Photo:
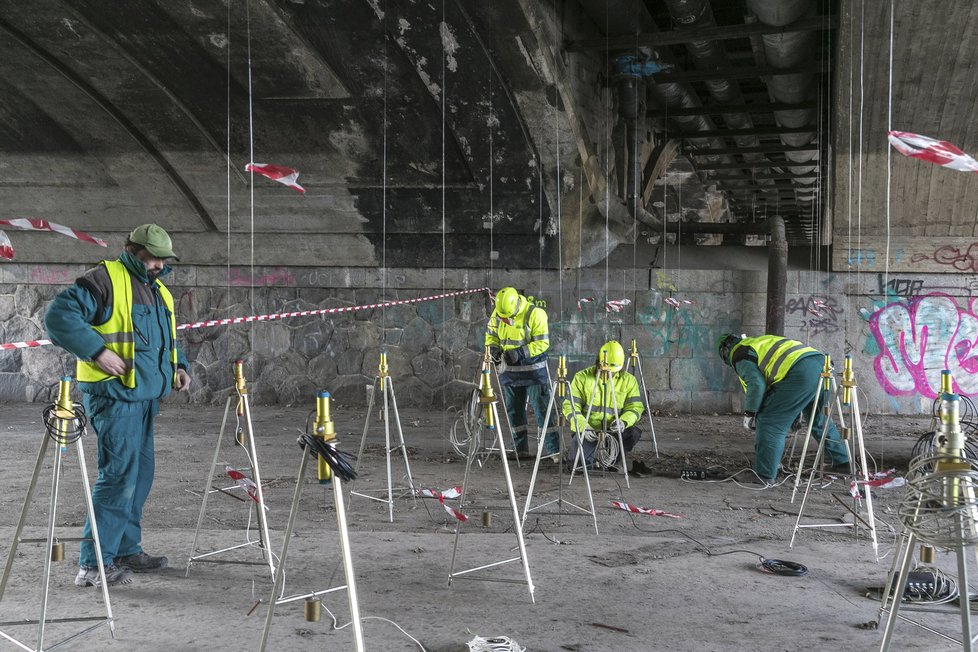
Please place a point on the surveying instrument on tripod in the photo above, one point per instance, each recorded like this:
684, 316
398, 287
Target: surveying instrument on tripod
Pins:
559, 393
65, 424
384, 413
332, 466
487, 399
635, 362
860, 495
244, 438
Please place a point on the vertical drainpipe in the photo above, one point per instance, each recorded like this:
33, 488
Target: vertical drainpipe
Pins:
777, 276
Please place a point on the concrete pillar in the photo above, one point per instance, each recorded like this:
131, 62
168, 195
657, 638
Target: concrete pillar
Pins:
777, 276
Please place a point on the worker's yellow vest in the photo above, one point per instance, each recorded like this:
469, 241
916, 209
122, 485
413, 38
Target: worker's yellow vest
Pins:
118, 332
775, 355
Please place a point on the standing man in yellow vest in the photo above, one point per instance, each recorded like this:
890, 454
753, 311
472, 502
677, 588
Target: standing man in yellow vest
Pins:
518, 335
118, 320
780, 377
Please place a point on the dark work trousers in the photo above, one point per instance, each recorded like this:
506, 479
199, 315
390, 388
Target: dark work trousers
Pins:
125, 475
539, 397
783, 402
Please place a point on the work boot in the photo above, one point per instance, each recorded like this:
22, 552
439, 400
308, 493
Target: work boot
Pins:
142, 563
88, 576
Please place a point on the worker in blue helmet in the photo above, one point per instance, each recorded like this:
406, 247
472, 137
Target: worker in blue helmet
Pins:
779, 377
518, 339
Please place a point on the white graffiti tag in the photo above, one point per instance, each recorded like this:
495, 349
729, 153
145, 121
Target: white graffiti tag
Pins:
921, 338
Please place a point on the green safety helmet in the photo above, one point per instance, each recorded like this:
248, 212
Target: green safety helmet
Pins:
726, 344
507, 302
612, 355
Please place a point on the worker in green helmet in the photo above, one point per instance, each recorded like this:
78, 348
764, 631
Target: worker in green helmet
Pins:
780, 377
604, 402
518, 339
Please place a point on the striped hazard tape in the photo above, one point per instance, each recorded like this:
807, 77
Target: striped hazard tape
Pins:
281, 315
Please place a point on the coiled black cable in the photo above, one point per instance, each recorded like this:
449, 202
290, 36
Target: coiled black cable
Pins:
65, 430
339, 462
782, 567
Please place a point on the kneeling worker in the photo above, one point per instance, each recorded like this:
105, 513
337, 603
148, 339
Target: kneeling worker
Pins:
605, 401
779, 376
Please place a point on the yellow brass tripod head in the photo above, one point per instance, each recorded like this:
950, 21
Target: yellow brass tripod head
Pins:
848, 381
325, 430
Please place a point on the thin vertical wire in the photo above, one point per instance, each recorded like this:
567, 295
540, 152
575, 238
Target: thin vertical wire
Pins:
862, 100
227, 146
607, 161
383, 195
889, 155
852, 67
251, 157
558, 190
492, 207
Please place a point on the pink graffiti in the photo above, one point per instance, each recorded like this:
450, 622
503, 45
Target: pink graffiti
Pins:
966, 261
51, 276
277, 276
922, 337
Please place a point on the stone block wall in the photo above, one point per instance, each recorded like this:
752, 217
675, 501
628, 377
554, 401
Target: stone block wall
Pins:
900, 331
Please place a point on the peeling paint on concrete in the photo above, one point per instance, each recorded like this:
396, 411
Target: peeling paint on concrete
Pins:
70, 25
220, 41
450, 46
403, 26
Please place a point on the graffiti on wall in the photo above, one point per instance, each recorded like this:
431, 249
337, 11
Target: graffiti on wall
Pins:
919, 338
899, 287
963, 260
818, 314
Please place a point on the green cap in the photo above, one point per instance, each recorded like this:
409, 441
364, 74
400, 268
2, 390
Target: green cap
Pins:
155, 239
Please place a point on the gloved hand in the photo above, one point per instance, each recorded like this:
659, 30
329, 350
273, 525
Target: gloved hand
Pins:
589, 435
750, 420
495, 355
511, 356
616, 427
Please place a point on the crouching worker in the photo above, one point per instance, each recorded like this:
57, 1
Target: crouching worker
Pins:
605, 402
780, 377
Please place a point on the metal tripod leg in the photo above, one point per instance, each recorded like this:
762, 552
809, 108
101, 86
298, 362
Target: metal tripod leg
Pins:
49, 540
536, 465
341, 524
387, 387
522, 558
645, 394
263, 542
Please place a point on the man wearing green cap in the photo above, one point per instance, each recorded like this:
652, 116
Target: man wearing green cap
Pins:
118, 320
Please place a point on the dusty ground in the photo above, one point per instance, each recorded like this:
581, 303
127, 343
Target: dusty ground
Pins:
643, 583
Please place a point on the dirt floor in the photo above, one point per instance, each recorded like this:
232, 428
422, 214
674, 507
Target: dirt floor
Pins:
641, 583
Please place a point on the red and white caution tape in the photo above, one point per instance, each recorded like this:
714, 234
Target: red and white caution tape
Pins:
245, 483
816, 307
616, 305
6, 248
32, 224
940, 152
584, 300
880, 480
323, 311
648, 511
449, 494
29, 344
676, 303
281, 315
285, 176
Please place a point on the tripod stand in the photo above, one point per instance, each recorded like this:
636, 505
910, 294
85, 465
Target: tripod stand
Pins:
940, 508
558, 393
386, 384
490, 420
245, 438
330, 466
857, 468
635, 361
65, 422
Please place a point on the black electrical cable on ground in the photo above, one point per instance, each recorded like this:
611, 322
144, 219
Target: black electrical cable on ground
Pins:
65, 430
771, 566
